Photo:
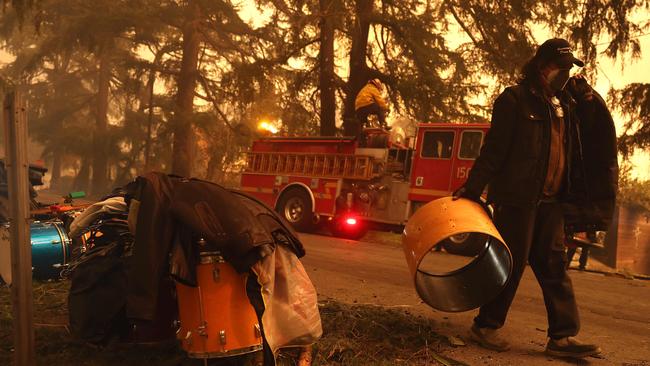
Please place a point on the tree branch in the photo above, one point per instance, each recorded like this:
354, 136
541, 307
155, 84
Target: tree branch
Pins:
215, 104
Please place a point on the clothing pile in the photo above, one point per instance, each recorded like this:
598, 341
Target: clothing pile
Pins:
171, 220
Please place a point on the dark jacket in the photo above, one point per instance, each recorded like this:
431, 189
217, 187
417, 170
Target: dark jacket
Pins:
592, 208
514, 157
149, 198
276, 225
218, 216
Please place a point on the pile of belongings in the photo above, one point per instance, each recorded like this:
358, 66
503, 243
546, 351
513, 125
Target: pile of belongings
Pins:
148, 232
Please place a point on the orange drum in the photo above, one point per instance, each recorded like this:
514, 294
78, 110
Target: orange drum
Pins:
216, 317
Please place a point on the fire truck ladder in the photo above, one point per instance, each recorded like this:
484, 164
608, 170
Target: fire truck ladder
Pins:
311, 165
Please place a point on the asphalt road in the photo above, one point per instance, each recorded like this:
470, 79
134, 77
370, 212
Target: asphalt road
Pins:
615, 312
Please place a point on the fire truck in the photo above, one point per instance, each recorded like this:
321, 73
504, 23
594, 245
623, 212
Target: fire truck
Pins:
350, 185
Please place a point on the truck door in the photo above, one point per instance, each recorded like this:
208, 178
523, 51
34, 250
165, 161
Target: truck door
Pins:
467, 151
432, 164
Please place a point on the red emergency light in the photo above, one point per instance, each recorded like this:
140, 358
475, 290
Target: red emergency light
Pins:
351, 221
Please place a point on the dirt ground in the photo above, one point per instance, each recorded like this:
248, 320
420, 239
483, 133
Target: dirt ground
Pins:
615, 312
372, 316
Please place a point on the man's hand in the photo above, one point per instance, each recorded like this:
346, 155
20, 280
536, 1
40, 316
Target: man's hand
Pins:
579, 88
465, 193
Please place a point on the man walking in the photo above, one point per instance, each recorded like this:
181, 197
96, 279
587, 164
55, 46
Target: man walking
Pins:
527, 160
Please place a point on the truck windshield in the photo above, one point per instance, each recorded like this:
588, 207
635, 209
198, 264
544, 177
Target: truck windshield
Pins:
437, 144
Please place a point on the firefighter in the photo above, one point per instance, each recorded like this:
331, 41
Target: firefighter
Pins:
531, 163
370, 101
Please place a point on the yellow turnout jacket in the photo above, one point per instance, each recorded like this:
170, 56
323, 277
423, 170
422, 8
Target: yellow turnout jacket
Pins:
368, 95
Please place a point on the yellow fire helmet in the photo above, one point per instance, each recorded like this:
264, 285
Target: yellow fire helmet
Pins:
377, 83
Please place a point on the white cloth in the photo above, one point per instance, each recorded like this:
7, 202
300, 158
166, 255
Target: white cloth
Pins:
112, 205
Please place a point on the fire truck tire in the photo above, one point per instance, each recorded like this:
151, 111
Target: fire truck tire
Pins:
296, 207
470, 246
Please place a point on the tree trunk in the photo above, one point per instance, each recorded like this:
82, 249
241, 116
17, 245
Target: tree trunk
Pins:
100, 138
147, 143
60, 69
214, 167
184, 149
326, 76
358, 67
55, 180
82, 179
151, 82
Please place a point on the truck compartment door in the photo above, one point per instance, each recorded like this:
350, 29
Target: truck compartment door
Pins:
432, 164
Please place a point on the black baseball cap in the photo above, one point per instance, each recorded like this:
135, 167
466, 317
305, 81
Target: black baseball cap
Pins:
559, 51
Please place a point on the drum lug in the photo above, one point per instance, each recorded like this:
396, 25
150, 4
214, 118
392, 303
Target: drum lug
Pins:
258, 331
201, 328
186, 338
222, 336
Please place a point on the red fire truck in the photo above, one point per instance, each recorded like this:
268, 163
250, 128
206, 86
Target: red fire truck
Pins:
333, 180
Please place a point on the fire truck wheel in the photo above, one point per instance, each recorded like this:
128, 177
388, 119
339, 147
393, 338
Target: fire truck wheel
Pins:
296, 207
468, 245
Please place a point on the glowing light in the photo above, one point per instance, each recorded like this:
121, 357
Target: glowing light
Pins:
266, 126
351, 221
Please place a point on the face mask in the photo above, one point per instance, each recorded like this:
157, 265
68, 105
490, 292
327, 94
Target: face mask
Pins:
558, 78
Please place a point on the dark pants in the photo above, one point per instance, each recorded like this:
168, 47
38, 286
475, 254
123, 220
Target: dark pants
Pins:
584, 252
363, 113
536, 235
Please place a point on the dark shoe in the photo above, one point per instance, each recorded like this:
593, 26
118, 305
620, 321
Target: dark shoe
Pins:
488, 338
570, 347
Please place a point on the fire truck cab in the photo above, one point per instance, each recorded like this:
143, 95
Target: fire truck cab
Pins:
335, 180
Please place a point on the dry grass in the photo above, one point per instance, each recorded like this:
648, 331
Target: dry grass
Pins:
374, 335
353, 335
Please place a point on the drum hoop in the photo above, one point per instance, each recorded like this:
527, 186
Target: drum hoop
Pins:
65, 240
234, 352
211, 257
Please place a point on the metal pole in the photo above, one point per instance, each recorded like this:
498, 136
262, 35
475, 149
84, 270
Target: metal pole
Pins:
15, 122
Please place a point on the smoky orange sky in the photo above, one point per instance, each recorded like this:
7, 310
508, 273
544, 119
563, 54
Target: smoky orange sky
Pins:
610, 73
